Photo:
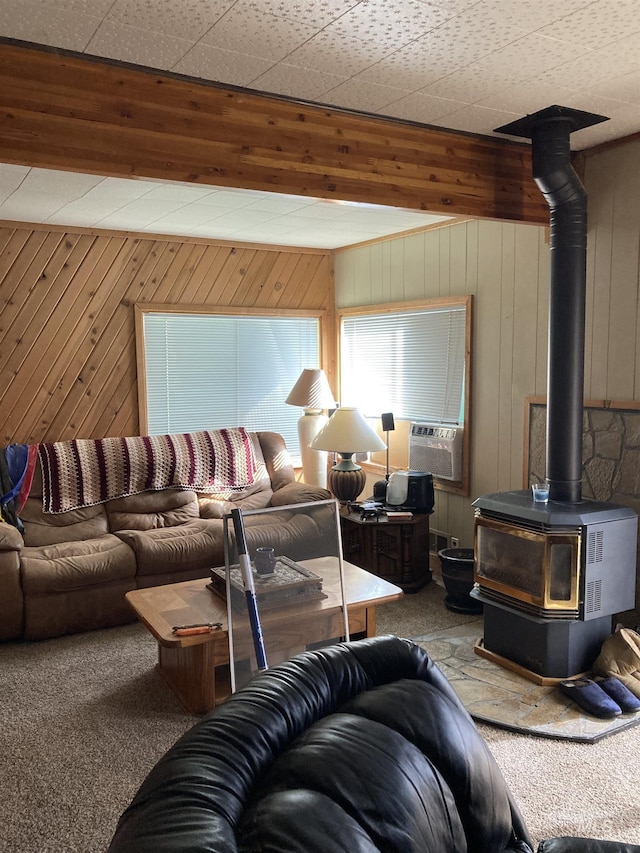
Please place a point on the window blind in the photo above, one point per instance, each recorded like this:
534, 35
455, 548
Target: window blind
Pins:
210, 371
410, 363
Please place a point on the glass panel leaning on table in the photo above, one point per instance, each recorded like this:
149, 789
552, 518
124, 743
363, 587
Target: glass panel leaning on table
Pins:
284, 584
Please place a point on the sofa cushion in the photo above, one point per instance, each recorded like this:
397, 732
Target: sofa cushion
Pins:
152, 510
76, 565
293, 493
297, 535
46, 528
189, 547
218, 507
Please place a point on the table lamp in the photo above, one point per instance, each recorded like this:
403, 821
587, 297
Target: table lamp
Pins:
313, 394
347, 432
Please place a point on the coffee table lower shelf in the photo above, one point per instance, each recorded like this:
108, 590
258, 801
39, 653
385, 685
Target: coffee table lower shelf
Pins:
196, 668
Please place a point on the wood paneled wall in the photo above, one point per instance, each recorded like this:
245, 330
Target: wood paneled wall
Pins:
67, 112
612, 364
67, 334
505, 268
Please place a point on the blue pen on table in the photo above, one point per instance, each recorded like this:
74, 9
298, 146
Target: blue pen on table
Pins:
249, 589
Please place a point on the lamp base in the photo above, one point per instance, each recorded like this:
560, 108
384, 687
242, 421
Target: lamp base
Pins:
314, 462
346, 485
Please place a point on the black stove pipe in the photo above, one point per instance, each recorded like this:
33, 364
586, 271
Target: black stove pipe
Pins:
567, 200
549, 131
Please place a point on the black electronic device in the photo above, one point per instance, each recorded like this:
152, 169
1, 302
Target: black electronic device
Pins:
411, 490
380, 488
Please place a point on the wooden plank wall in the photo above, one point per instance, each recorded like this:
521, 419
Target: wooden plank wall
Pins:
67, 318
612, 363
505, 268
68, 112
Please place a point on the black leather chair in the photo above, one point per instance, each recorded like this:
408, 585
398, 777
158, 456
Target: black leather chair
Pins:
355, 748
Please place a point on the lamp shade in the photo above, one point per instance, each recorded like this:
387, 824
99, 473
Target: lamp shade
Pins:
311, 390
347, 432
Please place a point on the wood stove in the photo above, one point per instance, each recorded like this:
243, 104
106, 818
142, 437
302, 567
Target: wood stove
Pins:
551, 575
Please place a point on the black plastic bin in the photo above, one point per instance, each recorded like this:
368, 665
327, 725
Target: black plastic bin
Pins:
457, 576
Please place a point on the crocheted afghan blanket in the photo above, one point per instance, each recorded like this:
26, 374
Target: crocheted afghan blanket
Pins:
84, 472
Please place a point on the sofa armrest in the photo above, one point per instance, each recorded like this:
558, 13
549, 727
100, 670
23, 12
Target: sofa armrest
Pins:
299, 493
11, 597
10, 538
571, 844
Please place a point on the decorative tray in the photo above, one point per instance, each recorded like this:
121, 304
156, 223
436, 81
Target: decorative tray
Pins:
290, 583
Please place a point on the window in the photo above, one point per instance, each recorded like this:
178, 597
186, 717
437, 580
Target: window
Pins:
212, 370
409, 361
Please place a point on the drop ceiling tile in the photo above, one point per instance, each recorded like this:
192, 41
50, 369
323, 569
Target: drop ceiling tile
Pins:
625, 88
470, 37
245, 218
180, 193
391, 24
280, 205
229, 198
528, 97
96, 8
136, 214
528, 56
130, 44
122, 189
320, 210
256, 33
188, 19
224, 66
24, 19
64, 185
421, 108
189, 216
476, 119
414, 66
296, 82
596, 24
10, 179
456, 6
344, 56
531, 16
85, 211
29, 208
213, 232
316, 13
593, 67
362, 95
465, 85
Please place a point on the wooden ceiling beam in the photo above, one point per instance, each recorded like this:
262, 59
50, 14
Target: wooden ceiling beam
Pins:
69, 112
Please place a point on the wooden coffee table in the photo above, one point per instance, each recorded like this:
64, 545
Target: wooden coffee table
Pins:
197, 667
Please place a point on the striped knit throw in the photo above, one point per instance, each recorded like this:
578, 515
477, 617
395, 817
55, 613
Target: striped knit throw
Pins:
84, 472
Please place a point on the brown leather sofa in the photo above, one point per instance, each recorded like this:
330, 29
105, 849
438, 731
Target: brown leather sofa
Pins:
70, 571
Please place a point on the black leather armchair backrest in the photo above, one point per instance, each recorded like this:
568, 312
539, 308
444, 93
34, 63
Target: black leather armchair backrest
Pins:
361, 746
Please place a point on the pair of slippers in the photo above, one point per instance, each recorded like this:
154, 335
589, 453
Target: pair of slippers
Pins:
605, 697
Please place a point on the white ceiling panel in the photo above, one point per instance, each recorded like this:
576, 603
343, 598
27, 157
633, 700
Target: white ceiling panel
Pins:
469, 65
63, 198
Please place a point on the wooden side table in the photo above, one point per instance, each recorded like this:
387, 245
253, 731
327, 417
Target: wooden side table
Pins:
394, 549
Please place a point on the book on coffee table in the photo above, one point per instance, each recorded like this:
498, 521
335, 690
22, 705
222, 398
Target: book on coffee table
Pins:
290, 583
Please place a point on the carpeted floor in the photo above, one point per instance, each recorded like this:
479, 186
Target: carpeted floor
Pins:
84, 718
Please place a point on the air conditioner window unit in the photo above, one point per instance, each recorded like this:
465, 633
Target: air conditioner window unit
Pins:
436, 449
